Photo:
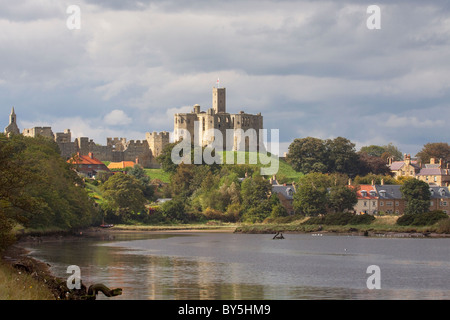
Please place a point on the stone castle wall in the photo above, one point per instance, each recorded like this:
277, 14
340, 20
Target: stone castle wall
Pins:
115, 150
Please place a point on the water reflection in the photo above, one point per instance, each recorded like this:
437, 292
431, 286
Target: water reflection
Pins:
237, 267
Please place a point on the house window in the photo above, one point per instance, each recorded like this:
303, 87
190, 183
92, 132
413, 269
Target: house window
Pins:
381, 203
389, 203
374, 203
443, 203
435, 178
397, 203
365, 203
431, 203
397, 212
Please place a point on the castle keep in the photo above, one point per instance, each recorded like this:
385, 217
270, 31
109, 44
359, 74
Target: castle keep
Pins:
199, 123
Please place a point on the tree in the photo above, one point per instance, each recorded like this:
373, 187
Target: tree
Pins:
123, 195
341, 198
308, 155
372, 164
438, 150
255, 198
373, 150
342, 156
139, 173
391, 151
417, 195
181, 179
174, 210
38, 188
165, 158
311, 196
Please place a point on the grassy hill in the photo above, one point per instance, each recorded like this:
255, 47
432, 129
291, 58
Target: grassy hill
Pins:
285, 172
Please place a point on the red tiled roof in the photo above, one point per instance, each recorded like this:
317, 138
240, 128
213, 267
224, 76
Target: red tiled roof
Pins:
367, 188
121, 164
79, 159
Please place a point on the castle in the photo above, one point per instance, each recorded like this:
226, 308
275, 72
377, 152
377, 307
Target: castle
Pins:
199, 124
145, 151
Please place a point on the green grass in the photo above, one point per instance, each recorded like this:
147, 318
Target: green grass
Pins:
285, 171
16, 285
159, 174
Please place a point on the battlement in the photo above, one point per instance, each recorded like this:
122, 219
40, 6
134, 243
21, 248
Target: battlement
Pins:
136, 143
155, 135
113, 141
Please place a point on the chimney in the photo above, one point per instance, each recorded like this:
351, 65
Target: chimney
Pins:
91, 155
349, 182
432, 161
382, 182
373, 182
441, 163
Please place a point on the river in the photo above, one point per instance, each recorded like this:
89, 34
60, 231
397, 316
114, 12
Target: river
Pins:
215, 265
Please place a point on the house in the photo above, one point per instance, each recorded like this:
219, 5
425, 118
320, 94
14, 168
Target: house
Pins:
435, 173
405, 168
87, 166
367, 200
440, 199
121, 165
390, 199
285, 193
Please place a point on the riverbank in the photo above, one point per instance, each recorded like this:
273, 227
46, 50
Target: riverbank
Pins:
382, 226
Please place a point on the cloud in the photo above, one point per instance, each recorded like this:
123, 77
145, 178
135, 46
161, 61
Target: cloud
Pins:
395, 121
117, 117
312, 68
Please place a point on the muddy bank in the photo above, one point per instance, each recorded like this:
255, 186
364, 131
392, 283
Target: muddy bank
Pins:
18, 257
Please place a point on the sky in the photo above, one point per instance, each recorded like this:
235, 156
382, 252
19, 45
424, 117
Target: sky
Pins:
312, 68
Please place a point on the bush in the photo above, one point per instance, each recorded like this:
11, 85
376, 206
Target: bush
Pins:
444, 226
422, 219
341, 219
362, 219
406, 220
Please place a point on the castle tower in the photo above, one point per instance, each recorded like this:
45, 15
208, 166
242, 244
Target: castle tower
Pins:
219, 100
12, 128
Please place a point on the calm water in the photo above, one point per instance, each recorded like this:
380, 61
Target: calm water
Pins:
253, 266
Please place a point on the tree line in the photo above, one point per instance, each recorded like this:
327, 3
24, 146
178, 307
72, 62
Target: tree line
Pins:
39, 189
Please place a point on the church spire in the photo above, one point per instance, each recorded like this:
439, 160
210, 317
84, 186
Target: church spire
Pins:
12, 128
